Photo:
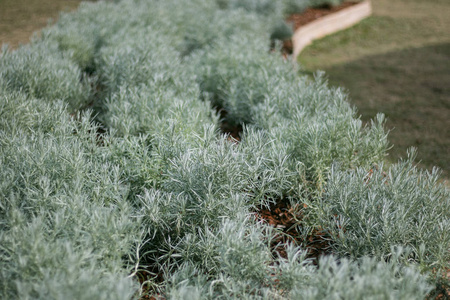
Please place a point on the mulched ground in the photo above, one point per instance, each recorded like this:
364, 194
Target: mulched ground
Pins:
312, 14
233, 131
287, 218
308, 16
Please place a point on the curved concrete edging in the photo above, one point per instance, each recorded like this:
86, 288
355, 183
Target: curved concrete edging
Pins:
329, 24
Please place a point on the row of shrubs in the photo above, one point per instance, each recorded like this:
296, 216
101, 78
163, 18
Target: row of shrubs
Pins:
116, 181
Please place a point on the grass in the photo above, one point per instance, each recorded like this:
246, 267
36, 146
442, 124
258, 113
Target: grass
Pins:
396, 62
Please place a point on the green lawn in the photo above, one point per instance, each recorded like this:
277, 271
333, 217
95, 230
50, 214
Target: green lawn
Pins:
396, 62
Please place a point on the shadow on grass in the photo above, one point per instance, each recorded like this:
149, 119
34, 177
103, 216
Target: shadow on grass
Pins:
412, 88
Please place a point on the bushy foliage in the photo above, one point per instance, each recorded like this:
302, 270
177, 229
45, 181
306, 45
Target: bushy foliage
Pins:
367, 278
269, 8
320, 128
237, 80
156, 193
19, 113
297, 278
65, 226
264, 7
320, 3
373, 210
315, 123
41, 71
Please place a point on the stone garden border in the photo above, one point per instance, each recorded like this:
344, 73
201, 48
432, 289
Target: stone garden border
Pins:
329, 24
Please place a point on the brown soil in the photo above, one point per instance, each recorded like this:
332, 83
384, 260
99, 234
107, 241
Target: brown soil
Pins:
150, 274
286, 218
441, 292
234, 131
312, 14
309, 15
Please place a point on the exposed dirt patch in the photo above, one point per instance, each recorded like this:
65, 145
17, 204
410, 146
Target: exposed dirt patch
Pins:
286, 218
146, 275
234, 131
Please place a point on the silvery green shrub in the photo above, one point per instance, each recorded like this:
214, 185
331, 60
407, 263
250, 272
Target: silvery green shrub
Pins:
264, 7
232, 77
367, 278
132, 110
80, 36
156, 189
295, 6
40, 71
369, 211
136, 61
297, 278
19, 113
319, 3
52, 244
261, 90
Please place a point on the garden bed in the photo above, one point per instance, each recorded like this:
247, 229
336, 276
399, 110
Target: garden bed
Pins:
163, 204
315, 23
